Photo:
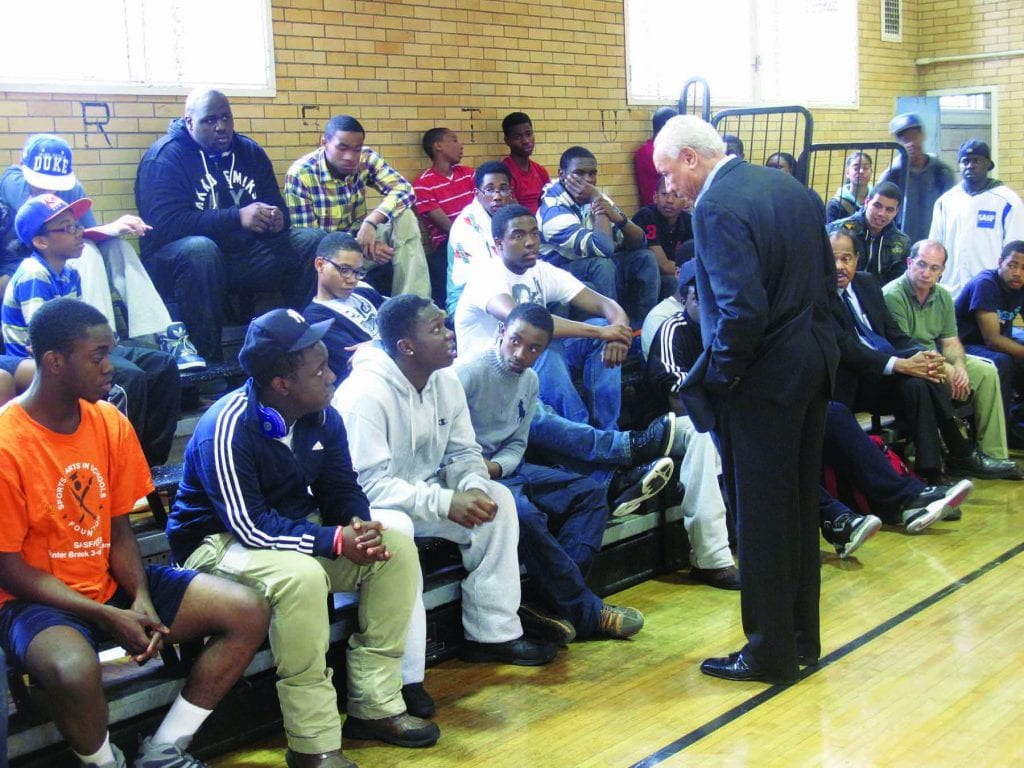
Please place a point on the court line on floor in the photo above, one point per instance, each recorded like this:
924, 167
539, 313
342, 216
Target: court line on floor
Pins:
770, 693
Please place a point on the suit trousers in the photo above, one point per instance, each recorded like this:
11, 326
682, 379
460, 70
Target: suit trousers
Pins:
771, 461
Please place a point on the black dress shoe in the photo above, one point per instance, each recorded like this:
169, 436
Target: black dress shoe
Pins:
737, 666
979, 464
521, 652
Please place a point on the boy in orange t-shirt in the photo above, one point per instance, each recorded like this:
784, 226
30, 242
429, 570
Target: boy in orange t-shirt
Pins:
71, 575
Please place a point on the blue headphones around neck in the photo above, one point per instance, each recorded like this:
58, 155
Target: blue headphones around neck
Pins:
271, 422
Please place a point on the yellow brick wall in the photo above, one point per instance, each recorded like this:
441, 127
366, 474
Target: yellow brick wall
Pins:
405, 66
981, 26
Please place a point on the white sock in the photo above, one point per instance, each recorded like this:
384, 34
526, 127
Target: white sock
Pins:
102, 756
181, 723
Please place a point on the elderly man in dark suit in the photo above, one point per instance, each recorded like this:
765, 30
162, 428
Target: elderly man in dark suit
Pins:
764, 269
883, 369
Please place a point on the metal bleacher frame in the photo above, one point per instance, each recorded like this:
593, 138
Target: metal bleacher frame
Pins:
687, 104
767, 130
825, 181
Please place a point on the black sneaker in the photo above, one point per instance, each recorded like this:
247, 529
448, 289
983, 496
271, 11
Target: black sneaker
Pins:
849, 531
521, 652
631, 487
418, 702
646, 445
545, 625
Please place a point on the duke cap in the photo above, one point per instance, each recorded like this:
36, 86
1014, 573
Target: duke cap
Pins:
275, 334
975, 147
42, 208
46, 163
904, 122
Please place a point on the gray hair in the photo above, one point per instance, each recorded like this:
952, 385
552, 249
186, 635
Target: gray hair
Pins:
688, 131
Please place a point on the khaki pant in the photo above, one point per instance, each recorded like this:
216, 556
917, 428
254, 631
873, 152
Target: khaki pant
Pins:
297, 587
411, 274
988, 406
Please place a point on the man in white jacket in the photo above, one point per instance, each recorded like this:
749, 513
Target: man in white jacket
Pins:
413, 446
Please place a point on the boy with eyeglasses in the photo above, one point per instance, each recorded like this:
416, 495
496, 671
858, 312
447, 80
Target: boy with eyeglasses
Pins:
51, 235
470, 239
341, 296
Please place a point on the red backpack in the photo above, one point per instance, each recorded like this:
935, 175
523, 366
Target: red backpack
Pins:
848, 493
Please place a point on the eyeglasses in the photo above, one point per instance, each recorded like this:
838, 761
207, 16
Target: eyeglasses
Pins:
933, 268
347, 272
67, 229
503, 191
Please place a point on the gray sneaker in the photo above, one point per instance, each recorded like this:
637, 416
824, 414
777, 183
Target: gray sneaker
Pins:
164, 756
119, 761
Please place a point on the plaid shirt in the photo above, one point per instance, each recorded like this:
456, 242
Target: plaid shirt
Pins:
316, 199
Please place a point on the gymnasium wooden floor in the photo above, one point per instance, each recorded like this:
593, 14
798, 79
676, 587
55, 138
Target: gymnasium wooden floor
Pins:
923, 666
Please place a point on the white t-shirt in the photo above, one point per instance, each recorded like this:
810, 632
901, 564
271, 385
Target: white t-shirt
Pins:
475, 329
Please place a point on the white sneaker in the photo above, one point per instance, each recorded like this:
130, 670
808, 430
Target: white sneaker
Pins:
175, 342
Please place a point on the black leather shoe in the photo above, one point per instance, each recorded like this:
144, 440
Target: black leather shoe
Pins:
982, 465
402, 730
719, 578
521, 652
418, 702
646, 445
736, 666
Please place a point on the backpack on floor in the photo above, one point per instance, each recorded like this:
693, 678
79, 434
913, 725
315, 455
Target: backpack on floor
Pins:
848, 493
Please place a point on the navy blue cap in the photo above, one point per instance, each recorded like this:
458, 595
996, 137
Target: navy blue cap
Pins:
275, 334
975, 147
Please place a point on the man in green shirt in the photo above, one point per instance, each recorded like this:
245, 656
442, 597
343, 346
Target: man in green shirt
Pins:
924, 311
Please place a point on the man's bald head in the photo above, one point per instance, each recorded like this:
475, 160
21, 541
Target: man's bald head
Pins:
209, 120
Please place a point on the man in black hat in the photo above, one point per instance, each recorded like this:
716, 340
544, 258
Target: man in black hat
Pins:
269, 498
975, 219
927, 176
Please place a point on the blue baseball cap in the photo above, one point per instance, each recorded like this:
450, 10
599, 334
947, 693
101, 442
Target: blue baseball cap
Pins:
42, 208
274, 335
904, 122
46, 163
975, 147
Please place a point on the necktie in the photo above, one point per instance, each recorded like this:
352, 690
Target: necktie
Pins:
867, 335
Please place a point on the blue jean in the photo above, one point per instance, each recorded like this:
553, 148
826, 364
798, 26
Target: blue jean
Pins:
578, 446
631, 278
602, 387
854, 457
194, 274
562, 517
3, 717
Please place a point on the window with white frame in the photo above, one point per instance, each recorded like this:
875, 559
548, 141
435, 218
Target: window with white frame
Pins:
138, 46
750, 52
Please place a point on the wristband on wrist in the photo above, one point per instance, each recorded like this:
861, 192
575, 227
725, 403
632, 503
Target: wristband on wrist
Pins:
371, 223
339, 541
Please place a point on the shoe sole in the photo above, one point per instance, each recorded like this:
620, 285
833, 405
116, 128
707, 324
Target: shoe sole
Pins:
958, 494
868, 527
361, 733
650, 485
483, 657
191, 366
929, 516
546, 627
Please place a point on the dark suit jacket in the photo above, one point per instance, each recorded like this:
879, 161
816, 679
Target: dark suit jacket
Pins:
764, 270
858, 361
